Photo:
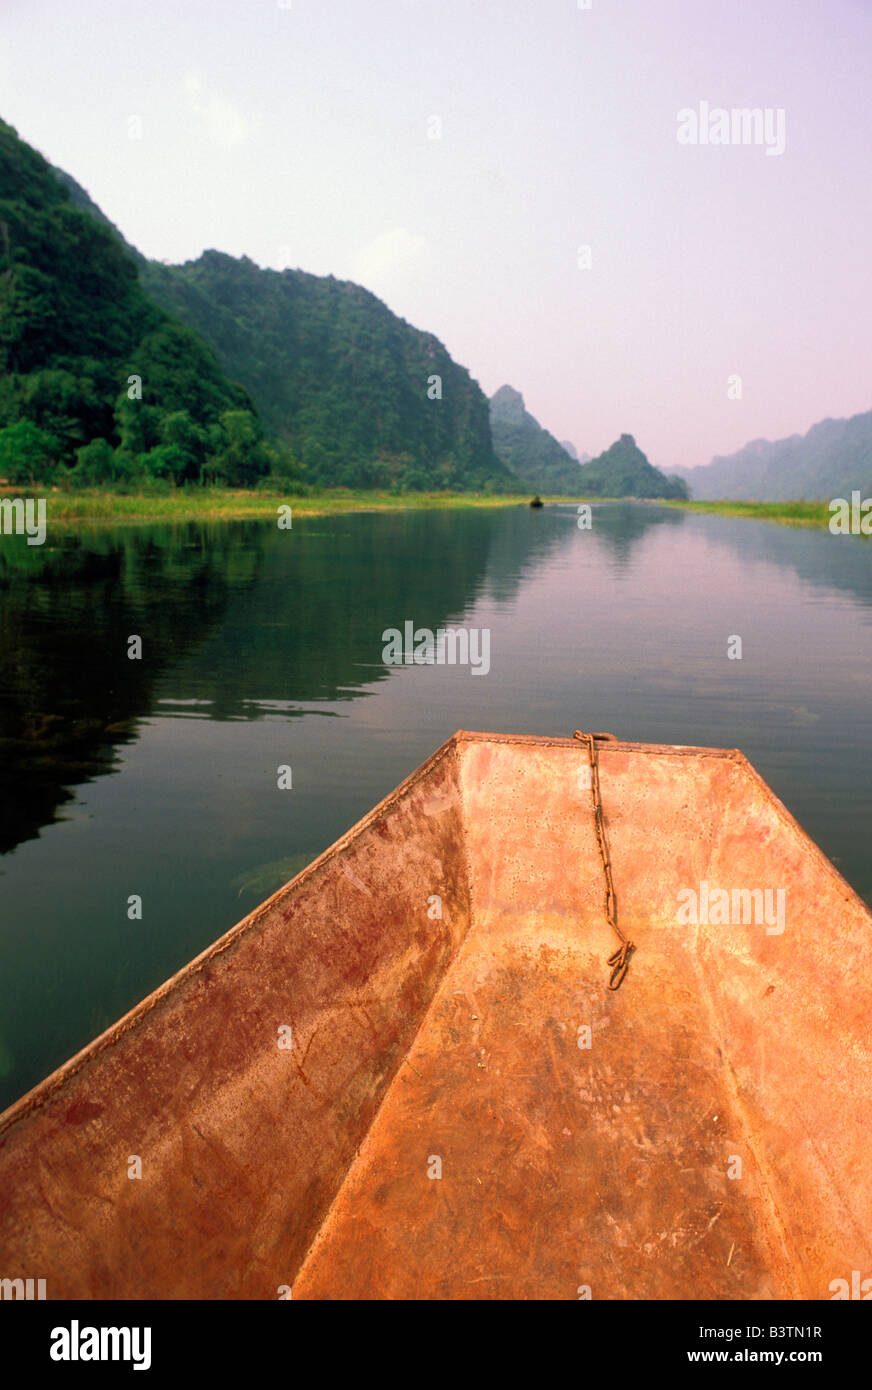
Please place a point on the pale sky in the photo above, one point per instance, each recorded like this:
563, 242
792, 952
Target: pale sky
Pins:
299, 134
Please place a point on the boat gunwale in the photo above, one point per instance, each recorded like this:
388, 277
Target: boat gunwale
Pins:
41, 1094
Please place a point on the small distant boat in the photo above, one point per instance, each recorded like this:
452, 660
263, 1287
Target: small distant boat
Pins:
537, 501
409, 1073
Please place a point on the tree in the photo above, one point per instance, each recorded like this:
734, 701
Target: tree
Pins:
27, 453
95, 462
239, 454
180, 432
68, 405
166, 461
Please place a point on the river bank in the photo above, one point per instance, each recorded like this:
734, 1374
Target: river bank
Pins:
209, 504
788, 513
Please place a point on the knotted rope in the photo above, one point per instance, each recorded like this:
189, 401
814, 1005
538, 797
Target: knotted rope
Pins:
619, 960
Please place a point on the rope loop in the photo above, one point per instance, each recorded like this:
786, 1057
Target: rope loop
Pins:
620, 962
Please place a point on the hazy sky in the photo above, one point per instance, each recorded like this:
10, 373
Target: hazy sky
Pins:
300, 134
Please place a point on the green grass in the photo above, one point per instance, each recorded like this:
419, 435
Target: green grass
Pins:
208, 504
788, 513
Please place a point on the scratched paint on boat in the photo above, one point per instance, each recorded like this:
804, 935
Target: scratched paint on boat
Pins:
455, 1037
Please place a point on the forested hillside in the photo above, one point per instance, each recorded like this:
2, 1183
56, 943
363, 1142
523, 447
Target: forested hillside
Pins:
529, 450
624, 471
118, 370
97, 382
360, 397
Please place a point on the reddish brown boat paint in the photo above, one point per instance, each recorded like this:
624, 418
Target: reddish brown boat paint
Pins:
710, 1142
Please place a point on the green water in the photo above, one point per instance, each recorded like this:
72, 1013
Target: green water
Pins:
261, 648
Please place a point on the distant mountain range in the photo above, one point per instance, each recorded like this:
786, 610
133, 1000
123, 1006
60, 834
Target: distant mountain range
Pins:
834, 457
528, 450
573, 453
534, 454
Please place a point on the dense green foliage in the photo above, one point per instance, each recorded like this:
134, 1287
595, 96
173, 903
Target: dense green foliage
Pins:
529, 450
624, 471
831, 460
97, 383
337, 377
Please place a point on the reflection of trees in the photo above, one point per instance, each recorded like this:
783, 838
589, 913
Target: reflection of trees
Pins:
520, 538
237, 615
311, 628
68, 693
231, 614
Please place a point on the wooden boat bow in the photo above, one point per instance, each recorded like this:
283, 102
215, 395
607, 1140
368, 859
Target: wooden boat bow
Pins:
464, 1110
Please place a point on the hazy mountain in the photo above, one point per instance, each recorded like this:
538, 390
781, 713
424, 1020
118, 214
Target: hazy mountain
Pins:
834, 457
569, 448
528, 449
624, 471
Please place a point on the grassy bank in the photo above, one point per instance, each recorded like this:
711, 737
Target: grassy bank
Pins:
210, 504
788, 513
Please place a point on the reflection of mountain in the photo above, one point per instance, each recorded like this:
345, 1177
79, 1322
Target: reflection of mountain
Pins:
243, 617
69, 695
234, 615
518, 543
840, 563
246, 619
311, 627
620, 525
